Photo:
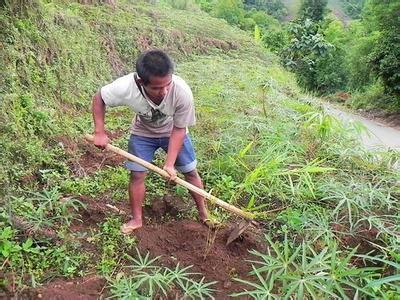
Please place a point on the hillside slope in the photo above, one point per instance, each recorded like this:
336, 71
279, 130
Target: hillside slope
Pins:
55, 56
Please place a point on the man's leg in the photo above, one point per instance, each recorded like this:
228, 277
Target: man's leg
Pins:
194, 178
137, 192
143, 148
186, 163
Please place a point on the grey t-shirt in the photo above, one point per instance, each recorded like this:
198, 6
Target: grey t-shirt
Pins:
151, 120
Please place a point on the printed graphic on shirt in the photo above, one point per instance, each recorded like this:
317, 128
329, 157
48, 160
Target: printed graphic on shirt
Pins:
155, 116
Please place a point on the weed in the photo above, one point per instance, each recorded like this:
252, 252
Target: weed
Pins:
113, 245
27, 258
152, 281
45, 209
301, 272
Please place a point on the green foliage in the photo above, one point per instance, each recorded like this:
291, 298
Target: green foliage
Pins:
313, 9
28, 257
353, 203
300, 271
274, 8
353, 8
149, 280
373, 97
205, 5
385, 57
357, 58
45, 209
108, 180
10, 249
306, 52
292, 218
329, 59
275, 39
331, 69
183, 4
67, 260
230, 10
113, 245
257, 34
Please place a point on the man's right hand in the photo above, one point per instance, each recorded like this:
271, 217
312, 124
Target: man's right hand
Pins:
100, 140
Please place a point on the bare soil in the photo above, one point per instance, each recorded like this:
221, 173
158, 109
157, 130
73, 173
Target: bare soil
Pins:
182, 241
85, 158
89, 287
191, 243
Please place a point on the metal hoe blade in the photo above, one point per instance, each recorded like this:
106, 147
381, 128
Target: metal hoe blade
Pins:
239, 229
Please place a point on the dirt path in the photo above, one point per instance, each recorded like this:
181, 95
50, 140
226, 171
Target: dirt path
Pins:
377, 135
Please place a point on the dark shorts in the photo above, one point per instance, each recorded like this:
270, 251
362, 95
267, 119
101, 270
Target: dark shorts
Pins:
145, 147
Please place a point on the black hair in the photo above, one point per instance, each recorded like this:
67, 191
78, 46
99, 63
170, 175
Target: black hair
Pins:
153, 63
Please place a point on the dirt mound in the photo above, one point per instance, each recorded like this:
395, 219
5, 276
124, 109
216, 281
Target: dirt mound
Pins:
186, 242
97, 210
84, 158
365, 238
85, 288
191, 243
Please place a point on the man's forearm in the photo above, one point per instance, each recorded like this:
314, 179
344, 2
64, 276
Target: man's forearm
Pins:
175, 144
98, 112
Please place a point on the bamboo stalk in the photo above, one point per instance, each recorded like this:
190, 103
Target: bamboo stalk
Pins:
189, 186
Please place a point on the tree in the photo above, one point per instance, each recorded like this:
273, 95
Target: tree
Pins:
230, 10
331, 68
307, 47
274, 8
383, 16
353, 8
313, 9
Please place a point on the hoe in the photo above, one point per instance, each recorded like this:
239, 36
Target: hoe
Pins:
236, 232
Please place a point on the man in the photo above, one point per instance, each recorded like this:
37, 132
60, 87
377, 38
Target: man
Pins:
164, 109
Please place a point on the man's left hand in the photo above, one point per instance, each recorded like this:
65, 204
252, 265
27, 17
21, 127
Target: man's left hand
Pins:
171, 171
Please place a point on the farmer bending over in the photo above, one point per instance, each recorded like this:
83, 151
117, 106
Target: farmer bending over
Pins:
164, 109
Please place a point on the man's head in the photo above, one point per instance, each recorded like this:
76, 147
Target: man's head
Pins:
155, 69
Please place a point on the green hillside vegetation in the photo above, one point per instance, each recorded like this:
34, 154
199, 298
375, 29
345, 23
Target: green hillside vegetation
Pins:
262, 144
335, 6
354, 62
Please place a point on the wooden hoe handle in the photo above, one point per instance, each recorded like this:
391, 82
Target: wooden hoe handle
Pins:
189, 186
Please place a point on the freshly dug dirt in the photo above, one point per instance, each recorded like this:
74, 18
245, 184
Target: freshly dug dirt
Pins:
364, 238
177, 241
186, 242
91, 159
191, 243
90, 287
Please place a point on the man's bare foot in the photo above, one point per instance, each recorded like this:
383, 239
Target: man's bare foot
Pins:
130, 226
212, 224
